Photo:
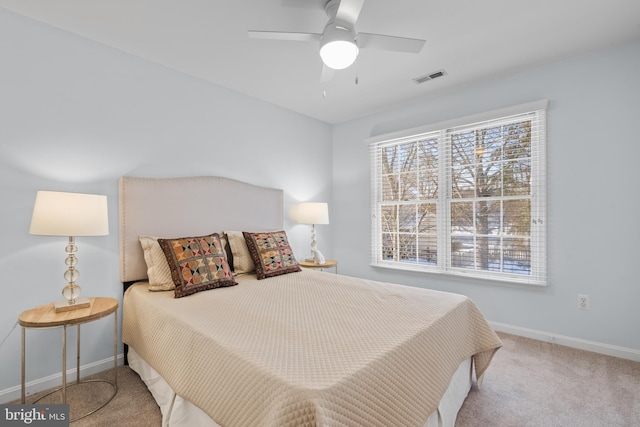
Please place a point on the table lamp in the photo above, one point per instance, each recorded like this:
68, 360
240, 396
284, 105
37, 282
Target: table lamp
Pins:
311, 213
70, 214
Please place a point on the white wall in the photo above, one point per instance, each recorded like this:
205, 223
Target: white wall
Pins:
75, 116
593, 198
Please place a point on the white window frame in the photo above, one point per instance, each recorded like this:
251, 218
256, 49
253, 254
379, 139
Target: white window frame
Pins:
441, 130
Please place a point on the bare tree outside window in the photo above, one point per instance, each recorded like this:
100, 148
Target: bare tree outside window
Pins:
462, 198
490, 198
410, 181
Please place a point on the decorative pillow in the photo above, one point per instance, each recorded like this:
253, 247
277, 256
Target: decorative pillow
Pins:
242, 261
158, 270
227, 250
197, 264
271, 253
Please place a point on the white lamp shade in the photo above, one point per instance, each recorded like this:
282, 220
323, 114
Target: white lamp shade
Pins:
69, 214
338, 48
309, 213
339, 54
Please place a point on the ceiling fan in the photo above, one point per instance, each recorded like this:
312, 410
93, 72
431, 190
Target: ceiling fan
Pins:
339, 42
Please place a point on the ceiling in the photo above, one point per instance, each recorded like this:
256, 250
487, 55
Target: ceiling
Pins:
473, 41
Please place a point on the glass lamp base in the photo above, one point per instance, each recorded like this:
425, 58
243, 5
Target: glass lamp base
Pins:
61, 306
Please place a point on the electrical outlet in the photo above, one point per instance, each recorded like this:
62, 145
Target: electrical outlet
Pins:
583, 302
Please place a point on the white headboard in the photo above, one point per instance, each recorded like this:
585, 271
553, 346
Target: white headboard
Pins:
193, 206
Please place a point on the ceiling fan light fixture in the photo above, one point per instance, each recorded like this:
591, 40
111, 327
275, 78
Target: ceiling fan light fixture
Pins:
339, 54
338, 48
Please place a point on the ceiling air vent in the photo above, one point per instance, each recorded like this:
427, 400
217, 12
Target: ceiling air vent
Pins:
430, 76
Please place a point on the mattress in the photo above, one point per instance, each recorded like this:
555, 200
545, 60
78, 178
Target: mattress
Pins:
309, 348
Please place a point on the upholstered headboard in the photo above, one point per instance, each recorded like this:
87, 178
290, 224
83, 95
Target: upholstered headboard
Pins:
193, 206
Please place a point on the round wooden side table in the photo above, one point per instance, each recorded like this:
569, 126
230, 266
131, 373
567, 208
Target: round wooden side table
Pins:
330, 263
45, 316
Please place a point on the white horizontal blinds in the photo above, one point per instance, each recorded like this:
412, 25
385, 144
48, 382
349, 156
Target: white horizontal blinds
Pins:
538, 200
494, 223
465, 200
406, 200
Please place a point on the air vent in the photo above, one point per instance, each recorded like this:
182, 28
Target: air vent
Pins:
430, 76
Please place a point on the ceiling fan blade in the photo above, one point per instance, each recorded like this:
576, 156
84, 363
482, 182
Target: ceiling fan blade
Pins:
349, 10
282, 35
327, 74
398, 44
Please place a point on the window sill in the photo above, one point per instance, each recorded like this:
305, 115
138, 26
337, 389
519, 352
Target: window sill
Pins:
507, 280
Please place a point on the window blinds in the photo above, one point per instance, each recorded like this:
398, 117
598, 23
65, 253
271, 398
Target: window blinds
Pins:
464, 197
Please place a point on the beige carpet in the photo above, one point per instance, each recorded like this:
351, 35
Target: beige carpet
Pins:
535, 383
132, 405
529, 383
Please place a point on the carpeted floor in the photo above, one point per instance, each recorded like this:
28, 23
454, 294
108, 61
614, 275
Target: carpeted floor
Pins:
535, 383
529, 383
132, 406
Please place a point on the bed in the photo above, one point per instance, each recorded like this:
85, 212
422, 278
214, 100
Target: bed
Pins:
288, 347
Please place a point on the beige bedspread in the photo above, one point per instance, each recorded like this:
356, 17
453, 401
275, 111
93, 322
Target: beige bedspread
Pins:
309, 348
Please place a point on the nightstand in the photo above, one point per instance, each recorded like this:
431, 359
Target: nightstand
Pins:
330, 263
45, 316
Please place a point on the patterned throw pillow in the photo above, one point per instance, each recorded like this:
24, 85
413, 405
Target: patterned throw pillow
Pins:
271, 253
197, 264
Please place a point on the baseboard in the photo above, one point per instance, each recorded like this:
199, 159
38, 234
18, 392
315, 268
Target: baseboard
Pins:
36, 386
593, 346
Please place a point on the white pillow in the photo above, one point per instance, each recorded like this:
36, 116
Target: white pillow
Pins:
158, 270
242, 261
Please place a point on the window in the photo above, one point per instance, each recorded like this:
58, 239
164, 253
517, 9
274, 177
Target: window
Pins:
466, 197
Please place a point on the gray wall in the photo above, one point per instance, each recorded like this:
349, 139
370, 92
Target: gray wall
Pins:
593, 147
75, 116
